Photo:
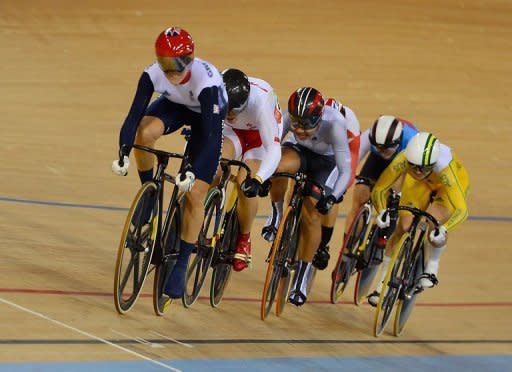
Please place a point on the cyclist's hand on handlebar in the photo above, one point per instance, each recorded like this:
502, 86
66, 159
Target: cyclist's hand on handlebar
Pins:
383, 220
438, 236
325, 204
185, 181
251, 187
121, 167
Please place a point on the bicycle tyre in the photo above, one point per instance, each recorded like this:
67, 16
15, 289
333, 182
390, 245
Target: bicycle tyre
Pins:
224, 251
165, 264
291, 238
200, 262
366, 275
405, 305
344, 268
274, 269
138, 238
391, 285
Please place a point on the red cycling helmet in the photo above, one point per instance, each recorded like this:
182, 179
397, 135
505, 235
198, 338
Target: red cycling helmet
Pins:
174, 49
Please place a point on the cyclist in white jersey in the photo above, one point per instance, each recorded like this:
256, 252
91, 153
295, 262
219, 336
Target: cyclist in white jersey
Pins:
317, 145
252, 132
321, 259
192, 93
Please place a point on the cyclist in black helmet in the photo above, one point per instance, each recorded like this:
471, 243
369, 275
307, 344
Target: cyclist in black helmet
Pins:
252, 132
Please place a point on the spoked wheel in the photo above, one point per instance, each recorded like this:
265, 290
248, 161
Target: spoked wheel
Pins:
391, 286
165, 262
136, 247
200, 262
224, 251
347, 259
370, 260
408, 298
290, 241
276, 265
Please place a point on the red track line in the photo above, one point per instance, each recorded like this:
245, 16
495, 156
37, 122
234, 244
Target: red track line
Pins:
242, 299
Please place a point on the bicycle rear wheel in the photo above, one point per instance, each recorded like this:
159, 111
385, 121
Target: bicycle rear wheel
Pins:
347, 259
200, 262
136, 247
406, 302
391, 286
275, 265
165, 263
370, 266
224, 251
290, 241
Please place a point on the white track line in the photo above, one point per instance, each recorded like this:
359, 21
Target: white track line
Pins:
140, 340
171, 339
88, 335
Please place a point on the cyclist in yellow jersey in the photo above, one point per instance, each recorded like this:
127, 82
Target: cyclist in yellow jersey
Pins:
434, 180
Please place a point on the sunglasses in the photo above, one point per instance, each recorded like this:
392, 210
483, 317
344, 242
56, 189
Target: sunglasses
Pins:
304, 123
421, 168
174, 64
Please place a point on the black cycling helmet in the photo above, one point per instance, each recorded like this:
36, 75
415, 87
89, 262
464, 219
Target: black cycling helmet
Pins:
237, 87
305, 107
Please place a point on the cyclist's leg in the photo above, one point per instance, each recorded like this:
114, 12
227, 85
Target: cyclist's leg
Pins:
291, 160
322, 255
441, 213
247, 209
205, 146
370, 172
161, 117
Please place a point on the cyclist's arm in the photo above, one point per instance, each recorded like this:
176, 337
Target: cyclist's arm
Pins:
343, 161
270, 118
455, 195
387, 179
140, 102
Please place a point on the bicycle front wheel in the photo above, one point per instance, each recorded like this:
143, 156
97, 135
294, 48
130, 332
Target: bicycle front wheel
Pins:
200, 262
275, 268
347, 260
165, 263
391, 286
136, 247
370, 260
290, 240
406, 303
224, 252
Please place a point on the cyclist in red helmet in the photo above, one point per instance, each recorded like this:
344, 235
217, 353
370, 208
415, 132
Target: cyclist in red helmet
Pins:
317, 145
192, 93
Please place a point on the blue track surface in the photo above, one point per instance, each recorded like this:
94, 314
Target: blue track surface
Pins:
405, 363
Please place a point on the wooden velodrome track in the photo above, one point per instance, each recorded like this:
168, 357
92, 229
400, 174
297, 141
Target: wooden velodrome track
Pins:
68, 74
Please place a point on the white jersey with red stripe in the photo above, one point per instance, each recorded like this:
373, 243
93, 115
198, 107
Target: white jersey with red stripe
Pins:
263, 114
330, 139
202, 75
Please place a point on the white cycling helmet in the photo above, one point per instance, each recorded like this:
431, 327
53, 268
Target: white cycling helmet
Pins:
386, 131
422, 150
